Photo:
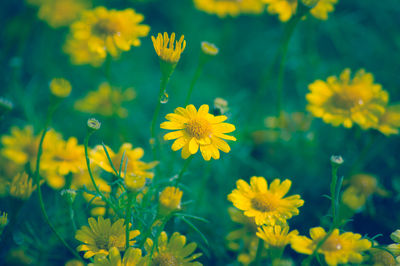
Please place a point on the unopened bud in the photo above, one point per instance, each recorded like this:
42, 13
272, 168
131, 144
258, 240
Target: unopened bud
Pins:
93, 124
209, 48
336, 160
60, 87
69, 195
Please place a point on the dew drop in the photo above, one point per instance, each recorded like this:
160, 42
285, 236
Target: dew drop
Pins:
164, 98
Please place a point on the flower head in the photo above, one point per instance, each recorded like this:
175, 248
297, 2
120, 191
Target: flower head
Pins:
134, 183
106, 101
276, 236
346, 101
338, 248
165, 49
3, 222
286, 9
170, 200
60, 87
101, 31
21, 186
132, 158
198, 129
132, 257
101, 236
266, 205
173, 251
93, 124
233, 8
209, 48
389, 121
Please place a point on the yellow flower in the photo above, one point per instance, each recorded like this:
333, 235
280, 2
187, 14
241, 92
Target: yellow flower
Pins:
276, 236
21, 186
361, 186
347, 101
380, 257
60, 87
101, 236
287, 8
267, 206
395, 248
101, 31
59, 13
343, 248
389, 122
221, 106
132, 257
224, 8
106, 101
198, 129
74, 263
134, 183
165, 49
3, 222
169, 200
209, 48
173, 251
132, 156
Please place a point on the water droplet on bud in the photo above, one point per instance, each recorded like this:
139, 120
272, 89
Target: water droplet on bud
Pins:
164, 98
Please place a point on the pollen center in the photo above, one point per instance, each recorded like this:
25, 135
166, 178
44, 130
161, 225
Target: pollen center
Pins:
102, 243
263, 203
105, 27
165, 259
351, 97
333, 243
198, 128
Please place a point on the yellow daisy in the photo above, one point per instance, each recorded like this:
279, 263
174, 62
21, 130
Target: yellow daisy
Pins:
172, 252
169, 200
135, 166
389, 122
233, 8
266, 205
165, 49
287, 8
22, 186
101, 236
338, 248
102, 31
106, 101
198, 129
58, 13
276, 236
132, 257
345, 101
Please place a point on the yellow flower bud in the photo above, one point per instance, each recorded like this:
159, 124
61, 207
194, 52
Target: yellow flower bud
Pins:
170, 200
60, 87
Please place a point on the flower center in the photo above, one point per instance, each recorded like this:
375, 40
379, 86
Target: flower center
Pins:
352, 96
102, 243
105, 27
116, 241
198, 128
165, 259
263, 203
333, 243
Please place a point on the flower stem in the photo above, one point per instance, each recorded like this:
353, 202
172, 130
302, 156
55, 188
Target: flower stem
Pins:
183, 170
52, 109
86, 142
128, 216
194, 80
260, 247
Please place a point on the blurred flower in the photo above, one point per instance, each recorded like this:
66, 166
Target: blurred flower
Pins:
165, 49
169, 200
18, 256
59, 13
132, 257
60, 87
106, 101
395, 248
21, 186
276, 236
287, 8
343, 248
74, 263
198, 129
63, 158
172, 252
5, 106
101, 31
346, 101
220, 106
132, 158
209, 48
389, 121
267, 206
3, 222
134, 183
361, 186
380, 257
101, 236
224, 8
8, 170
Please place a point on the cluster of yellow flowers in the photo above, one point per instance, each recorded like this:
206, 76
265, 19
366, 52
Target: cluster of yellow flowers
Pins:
347, 101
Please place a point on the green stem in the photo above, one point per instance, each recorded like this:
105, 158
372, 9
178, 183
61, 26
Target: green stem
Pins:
194, 80
37, 182
117, 211
334, 204
71, 216
128, 217
183, 170
260, 247
161, 228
